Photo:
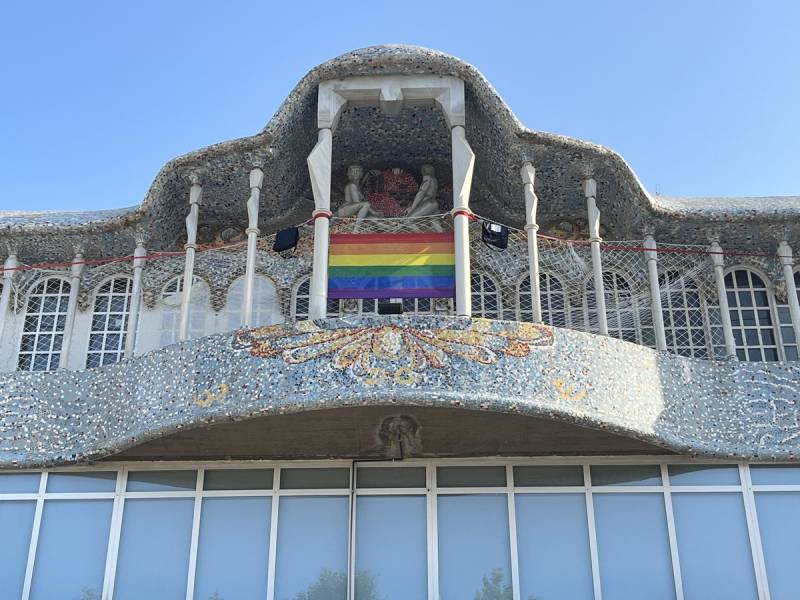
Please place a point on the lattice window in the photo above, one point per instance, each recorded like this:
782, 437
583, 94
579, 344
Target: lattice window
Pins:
620, 311
265, 304
555, 305
485, 296
43, 329
109, 322
785, 320
301, 302
684, 311
750, 304
199, 309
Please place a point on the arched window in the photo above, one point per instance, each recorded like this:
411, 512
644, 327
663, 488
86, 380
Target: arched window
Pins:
788, 337
750, 308
619, 307
301, 302
684, 311
555, 307
112, 304
266, 309
199, 309
485, 296
43, 329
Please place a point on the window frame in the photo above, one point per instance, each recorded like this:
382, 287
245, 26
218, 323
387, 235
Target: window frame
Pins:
104, 332
65, 287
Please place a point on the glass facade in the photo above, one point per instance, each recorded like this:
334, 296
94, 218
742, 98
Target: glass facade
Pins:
451, 530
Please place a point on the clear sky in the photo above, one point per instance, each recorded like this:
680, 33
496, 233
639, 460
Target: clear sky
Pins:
701, 97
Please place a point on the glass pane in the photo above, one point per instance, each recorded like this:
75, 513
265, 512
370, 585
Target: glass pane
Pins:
161, 481
779, 524
626, 475
237, 479
71, 553
391, 477
714, 546
775, 474
16, 524
470, 476
536, 476
703, 475
88, 481
306, 479
19, 483
154, 548
312, 548
232, 548
391, 548
633, 548
553, 546
474, 559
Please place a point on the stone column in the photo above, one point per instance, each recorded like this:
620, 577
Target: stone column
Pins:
9, 270
195, 198
319, 167
593, 215
787, 262
256, 180
463, 165
651, 256
718, 260
531, 229
76, 270
136, 299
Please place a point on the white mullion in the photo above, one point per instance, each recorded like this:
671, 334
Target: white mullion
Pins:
273, 533
598, 592
673, 538
37, 522
351, 542
113, 535
512, 531
754, 534
198, 506
432, 533
116, 530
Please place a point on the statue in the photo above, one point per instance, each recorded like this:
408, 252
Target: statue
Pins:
355, 204
425, 203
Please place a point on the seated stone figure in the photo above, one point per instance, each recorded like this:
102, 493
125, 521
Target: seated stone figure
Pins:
425, 202
355, 204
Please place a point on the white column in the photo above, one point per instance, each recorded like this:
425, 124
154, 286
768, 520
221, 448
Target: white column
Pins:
195, 197
136, 299
319, 167
256, 180
593, 215
787, 262
463, 165
651, 256
531, 229
9, 270
718, 259
74, 287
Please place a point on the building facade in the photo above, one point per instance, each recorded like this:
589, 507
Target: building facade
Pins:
606, 405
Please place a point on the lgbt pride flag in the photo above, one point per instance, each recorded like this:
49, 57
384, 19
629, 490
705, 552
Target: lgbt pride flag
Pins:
391, 265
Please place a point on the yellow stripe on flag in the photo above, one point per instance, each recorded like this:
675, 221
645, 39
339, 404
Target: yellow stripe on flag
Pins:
390, 260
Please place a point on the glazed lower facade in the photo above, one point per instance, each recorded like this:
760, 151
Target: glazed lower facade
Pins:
451, 529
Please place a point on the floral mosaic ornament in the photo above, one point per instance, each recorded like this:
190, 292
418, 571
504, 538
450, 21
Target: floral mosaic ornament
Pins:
391, 350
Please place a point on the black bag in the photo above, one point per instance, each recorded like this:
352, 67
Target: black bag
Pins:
494, 234
286, 239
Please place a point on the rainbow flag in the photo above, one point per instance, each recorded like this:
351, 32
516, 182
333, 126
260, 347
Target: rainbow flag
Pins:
391, 265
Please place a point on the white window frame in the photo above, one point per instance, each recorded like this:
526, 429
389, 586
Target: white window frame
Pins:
617, 330
53, 357
771, 306
232, 314
431, 491
545, 293
481, 294
196, 312
122, 333
667, 290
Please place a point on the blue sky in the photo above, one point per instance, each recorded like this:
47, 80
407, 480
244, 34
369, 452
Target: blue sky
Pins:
700, 97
